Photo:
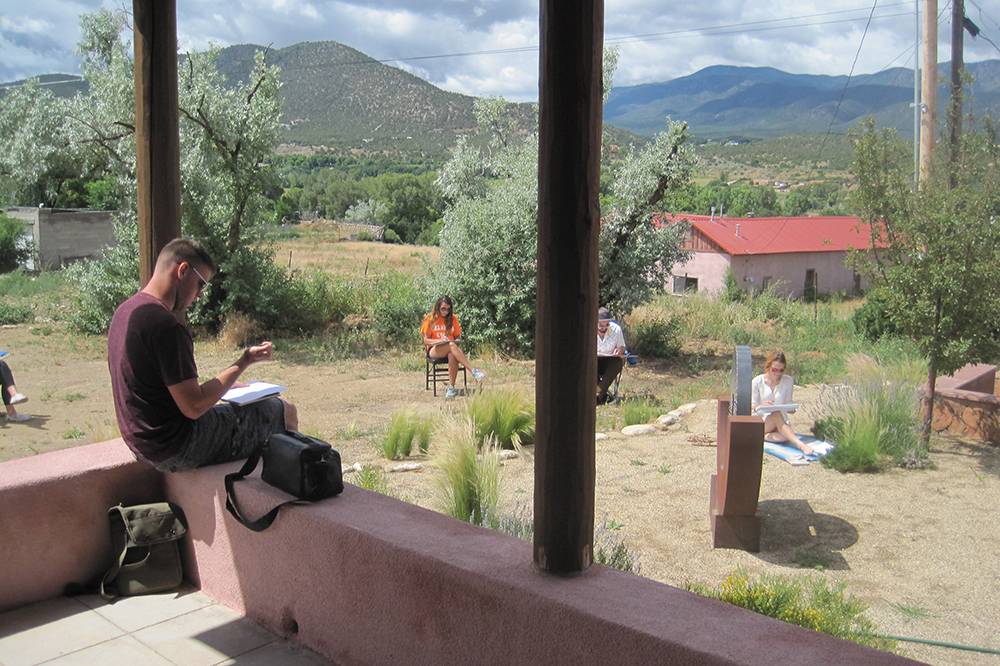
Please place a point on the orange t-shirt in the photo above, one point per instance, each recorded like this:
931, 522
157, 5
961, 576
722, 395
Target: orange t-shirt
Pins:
434, 328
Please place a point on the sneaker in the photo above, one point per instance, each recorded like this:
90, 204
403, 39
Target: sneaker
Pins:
450, 393
18, 398
19, 418
478, 375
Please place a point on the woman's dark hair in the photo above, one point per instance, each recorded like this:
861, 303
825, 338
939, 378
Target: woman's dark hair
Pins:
448, 318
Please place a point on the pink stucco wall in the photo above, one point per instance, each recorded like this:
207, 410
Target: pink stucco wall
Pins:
787, 271
366, 579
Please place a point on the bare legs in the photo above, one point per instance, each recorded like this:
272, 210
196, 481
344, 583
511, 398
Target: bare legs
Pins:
291, 415
455, 357
776, 430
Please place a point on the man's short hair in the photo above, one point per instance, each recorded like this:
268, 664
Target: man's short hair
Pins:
185, 249
603, 314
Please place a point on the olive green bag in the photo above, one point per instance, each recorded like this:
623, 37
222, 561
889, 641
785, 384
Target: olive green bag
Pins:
146, 557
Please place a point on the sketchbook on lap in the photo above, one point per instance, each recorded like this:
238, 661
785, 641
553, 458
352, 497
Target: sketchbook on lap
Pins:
252, 392
764, 410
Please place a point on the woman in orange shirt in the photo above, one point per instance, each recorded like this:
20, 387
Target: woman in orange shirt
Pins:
441, 333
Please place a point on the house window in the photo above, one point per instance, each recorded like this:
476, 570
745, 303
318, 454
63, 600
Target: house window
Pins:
684, 284
766, 283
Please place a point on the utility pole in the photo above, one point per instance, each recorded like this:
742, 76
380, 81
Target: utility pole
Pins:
955, 113
916, 94
929, 86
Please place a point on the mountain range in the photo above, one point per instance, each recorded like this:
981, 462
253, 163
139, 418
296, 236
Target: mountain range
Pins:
339, 97
765, 102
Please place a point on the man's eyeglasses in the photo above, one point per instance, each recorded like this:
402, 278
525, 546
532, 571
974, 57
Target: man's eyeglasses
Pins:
202, 282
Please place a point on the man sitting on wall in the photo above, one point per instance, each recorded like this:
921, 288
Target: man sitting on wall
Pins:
610, 353
165, 415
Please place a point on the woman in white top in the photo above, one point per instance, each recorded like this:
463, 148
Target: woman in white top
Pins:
774, 387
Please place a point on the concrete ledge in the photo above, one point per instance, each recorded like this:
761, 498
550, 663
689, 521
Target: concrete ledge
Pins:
365, 579
53, 521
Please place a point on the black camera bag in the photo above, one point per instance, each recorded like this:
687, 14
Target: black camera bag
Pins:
302, 466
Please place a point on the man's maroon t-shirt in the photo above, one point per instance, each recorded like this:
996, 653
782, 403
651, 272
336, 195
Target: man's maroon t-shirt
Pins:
149, 350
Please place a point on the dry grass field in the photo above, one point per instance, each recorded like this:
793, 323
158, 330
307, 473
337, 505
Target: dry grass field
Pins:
921, 548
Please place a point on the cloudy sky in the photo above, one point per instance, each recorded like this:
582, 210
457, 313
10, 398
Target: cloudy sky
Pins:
489, 47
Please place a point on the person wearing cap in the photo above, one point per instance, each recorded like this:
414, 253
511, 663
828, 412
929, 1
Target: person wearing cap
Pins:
610, 353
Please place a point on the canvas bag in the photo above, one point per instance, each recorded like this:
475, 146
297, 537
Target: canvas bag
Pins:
146, 557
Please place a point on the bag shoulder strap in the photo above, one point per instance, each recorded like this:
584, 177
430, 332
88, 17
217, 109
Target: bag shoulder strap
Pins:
119, 545
262, 523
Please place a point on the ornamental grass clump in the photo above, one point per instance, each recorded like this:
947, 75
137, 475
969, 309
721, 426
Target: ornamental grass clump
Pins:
873, 420
505, 415
808, 602
639, 411
469, 480
406, 429
372, 478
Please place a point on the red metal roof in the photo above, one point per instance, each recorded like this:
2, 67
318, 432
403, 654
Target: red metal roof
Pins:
777, 235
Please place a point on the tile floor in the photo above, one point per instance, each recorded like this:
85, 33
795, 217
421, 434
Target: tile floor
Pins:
185, 628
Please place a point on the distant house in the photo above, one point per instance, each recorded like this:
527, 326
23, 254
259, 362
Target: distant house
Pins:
791, 254
61, 236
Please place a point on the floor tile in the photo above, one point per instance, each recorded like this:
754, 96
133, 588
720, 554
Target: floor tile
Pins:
205, 636
122, 651
134, 613
48, 629
279, 652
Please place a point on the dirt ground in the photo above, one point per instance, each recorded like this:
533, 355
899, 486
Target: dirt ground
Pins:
922, 548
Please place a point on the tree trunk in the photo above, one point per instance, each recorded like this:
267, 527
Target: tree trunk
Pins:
925, 435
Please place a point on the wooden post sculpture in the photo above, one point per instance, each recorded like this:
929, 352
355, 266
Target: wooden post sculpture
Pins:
735, 486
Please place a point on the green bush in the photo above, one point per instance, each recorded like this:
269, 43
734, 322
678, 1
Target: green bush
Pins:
812, 603
15, 313
372, 478
731, 290
397, 307
504, 416
469, 481
390, 236
104, 283
871, 320
657, 335
611, 550
14, 250
406, 430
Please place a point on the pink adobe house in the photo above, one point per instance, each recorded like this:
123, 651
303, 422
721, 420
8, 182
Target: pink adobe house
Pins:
788, 253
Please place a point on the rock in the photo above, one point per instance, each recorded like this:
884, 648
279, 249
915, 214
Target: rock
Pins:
406, 467
668, 420
507, 455
687, 408
598, 436
351, 469
639, 429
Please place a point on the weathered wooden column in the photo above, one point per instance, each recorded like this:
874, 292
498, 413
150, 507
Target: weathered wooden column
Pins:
565, 334
157, 142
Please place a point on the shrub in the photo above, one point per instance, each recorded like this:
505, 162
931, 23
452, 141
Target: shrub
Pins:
871, 320
405, 430
807, 602
639, 411
504, 416
611, 550
390, 236
469, 482
731, 290
656, 334
14, 248
104, 283
15, 313
397, 306
366, 236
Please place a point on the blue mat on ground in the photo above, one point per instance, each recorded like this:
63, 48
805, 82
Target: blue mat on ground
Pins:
793, 456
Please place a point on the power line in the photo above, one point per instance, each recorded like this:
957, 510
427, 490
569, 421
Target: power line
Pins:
843, 92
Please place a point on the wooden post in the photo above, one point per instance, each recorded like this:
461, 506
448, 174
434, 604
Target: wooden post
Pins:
735, 487
955, 113
565, 334
928, 89
157, 142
